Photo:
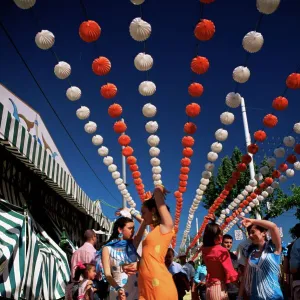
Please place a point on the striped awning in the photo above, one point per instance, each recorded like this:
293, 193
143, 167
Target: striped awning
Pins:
25, 147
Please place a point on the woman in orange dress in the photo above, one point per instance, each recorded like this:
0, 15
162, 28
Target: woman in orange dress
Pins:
155, 282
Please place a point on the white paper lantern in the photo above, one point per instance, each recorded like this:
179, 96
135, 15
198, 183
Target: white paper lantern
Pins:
137, 2
297, 165
253, 182
199, 192
147, 88
269, 190
204, 181
282, 178
108, 160
202, 187
259, 177
153, 140
156, 177
119, 181
209, 166
121, 187
139, 30
223, 211
62, 70
264, 170
44, 39
198, 197
90, 127
212, 156
275, 185
73, 93
246, 211
233, 100
233, 204
227, 118
241, 197
206, 174
255, 201
151, 126
157, 182
297, 128
112, 168
124, 192
289, 141
267, 6
265, 194
143, 62
241, 74
83, 113
221, 135
222, 216
249, 208
154, 151
149, 110
249, 188
271, 161
260, 198
290, 172
25, 4
227, 211
216, 147
242, 214
251, 204
253, 41
279, 152
116, 175
155, 162
156, 170
103, 151
244, 193
97, 140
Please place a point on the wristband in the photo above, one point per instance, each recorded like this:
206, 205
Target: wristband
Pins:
134, 212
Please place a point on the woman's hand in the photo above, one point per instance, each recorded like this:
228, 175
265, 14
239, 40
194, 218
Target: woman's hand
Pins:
247, 222
130, 269
160, 190
121, 294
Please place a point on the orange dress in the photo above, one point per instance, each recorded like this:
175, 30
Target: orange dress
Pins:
155, 282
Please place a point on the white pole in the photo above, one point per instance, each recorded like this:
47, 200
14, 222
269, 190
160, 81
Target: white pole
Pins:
197, 228
248, 142
124, 171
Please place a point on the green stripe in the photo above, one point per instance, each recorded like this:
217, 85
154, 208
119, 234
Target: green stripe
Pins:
7, 126
22, 139
28, 145
15, 136
34, 150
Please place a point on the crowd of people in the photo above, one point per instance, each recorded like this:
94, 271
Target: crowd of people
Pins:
143, 266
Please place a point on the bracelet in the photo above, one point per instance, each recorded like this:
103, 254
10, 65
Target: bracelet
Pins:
134, 212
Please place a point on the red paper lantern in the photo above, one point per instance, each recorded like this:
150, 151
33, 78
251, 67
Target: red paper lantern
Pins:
184, 170
283, 167
222, 196
246, 159
239, 210
124, 140
185, 162
120, 127
195, 89
276, 174
263, 186
242, 205
139, 187
260, 135
270, 121
228, 187
236, 175
183, 177
187, 152
252, 148
177, 194
242, 167
280, 103
133, 168
89, 31
136, 174
131, 160
207, 1
182, 189
183, 183
293, 81
224, 192
291, 159
137, 181
190, 128
245, 202
297, 148
188, 141
232, 181
101, 66
141, 192
115, 110
249, 199
268, 181
108, 91
127, 151
205, 30
199, 65
193, 110
253, 195
257, 191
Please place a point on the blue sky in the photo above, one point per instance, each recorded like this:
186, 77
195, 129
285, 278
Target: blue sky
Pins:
172, 45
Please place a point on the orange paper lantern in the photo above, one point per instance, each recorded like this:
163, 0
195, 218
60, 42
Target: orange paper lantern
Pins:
182, 189
252, 148
137, 181
115, 110
177, 194
185, 162
89, 31
108, 91
127, 151
270, 121
133, 168
101, 66
280, 103
131, 160
195, 89
140, 187
268, 181
260, 135
183, 177
205, 30
199, 65
136, 174
184, 170
187, 152
190, 128
193, 110
283, 167
124, 140
183, 183
293, 81
253, 195
291, 159
120, 127
188, 141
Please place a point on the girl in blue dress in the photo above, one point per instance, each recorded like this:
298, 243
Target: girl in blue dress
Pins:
261, 280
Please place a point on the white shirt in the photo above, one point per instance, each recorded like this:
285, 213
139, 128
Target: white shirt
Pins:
189, 270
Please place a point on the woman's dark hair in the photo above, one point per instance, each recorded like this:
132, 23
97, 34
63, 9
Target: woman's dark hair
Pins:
260, 228
150, 204
81, 272
295, 231
119, 223
211, 233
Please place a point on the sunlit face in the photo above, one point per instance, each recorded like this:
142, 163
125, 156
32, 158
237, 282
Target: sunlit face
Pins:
227, 243
127, 231
92, 273
169, 258
147, 215
257, 236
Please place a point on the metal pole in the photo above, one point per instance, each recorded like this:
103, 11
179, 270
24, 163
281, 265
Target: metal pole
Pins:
124, 172
248, 142
197, 228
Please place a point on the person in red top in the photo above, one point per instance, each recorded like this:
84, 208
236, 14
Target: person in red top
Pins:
219, 266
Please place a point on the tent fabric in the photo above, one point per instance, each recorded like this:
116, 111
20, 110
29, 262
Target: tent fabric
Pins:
26, 148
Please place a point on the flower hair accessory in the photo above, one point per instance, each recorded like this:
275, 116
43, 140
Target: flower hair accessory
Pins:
148, 195
80, 265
